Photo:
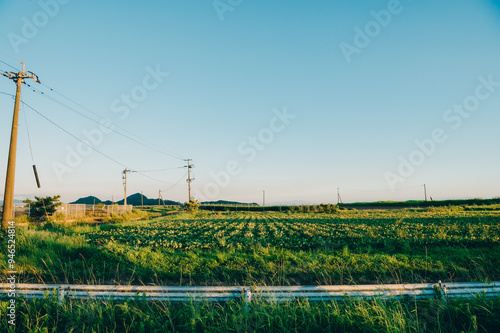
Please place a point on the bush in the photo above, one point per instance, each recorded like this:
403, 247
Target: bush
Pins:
191, 206
328, 208
42, 208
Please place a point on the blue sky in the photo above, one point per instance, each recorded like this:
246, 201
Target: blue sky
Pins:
297, 98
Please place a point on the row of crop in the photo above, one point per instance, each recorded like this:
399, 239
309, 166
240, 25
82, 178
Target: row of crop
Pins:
304, 233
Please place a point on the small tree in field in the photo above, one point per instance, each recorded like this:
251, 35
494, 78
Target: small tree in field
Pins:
328, 208
191, 206
42, 208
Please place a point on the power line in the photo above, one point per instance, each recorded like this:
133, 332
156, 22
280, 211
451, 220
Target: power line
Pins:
4, 93
14, 68
27, 130
381, 190
8, 56
158, 170
98, 151
155, 179
176, 184
148, 145
62, 129
144, 142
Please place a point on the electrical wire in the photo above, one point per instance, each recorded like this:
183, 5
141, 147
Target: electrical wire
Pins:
157, 170
144, 141
8, 56
17, 69
148, 145
27, 130
75, 137
158, 180
93, 148
176, 184
4, 93
382, 190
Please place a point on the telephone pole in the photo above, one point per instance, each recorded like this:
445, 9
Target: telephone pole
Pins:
425, 192
263, 198
189, 179
124, 172
339, 199
8, 198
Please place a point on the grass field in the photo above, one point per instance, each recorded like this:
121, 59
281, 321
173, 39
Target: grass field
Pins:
270, 248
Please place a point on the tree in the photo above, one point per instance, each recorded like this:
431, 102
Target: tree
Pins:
42, 208
191, 206
328, 208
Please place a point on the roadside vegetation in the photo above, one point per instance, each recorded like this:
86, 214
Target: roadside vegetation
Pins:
47, 315
166, 247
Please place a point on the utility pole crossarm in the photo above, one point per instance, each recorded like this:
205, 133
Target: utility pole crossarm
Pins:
8, 205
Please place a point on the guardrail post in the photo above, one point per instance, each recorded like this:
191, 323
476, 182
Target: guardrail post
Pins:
442, 289
247, 296
60, 295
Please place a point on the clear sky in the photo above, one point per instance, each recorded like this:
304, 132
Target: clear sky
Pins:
297, 98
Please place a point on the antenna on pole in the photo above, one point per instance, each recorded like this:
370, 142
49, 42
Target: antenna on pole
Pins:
8, 204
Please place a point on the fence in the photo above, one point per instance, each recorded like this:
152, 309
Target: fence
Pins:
77, 210
71, 210
117, 209
20, 210
278, 293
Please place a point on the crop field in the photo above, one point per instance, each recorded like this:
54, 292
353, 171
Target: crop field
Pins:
349, 247
306, 232
266, 248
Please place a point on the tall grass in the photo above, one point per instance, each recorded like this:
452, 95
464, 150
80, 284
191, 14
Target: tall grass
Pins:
47, 315
61, 253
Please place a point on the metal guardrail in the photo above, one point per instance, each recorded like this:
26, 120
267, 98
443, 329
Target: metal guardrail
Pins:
271, 293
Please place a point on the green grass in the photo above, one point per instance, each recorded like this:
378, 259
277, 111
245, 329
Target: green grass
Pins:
47, 315
349, 247
267, 248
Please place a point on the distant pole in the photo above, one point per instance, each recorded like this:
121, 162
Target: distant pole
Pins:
339, 199
8, 200
189, 179
263, 198
125, 185
159, 196
425, 192
142, 201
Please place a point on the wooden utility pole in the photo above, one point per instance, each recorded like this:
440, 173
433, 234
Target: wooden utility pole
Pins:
8, 198
425, 192
160, 197
125, 185
142, 201
189, 179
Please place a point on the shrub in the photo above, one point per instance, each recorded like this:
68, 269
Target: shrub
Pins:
42, 208
191, 206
